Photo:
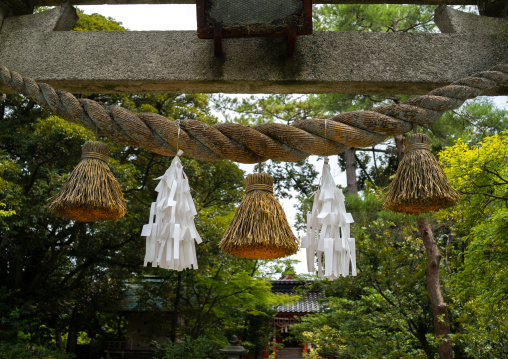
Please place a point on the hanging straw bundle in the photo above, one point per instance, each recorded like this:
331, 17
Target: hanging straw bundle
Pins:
91, 193
259, 228
420, 184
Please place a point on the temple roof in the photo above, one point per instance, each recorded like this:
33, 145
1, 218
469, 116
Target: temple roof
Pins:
310, 302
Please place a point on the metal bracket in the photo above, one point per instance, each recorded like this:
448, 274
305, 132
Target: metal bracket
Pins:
217, 39
292, 32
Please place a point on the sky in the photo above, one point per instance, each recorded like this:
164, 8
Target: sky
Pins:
183, 17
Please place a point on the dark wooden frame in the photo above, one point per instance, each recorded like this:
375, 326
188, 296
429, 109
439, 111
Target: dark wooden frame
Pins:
205, 32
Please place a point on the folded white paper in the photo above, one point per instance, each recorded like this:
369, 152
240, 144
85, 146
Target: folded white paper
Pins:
328, 231
170, 232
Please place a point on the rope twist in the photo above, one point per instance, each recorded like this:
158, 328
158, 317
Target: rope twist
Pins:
259, 187
95, 155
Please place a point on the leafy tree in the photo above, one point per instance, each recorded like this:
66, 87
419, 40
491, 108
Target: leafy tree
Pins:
375, 18
200, 348
96, 22
474, 121
478, 227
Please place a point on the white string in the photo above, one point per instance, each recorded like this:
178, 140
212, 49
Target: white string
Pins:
326, 143
177, 123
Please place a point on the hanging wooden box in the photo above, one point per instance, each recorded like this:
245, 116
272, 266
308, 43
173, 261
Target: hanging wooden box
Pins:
247, 18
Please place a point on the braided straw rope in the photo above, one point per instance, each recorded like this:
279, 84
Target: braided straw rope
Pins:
246, 144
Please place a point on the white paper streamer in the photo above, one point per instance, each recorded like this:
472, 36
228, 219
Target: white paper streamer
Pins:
328, 231
170, 232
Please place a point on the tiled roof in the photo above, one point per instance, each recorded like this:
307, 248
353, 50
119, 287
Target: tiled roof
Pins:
310, 304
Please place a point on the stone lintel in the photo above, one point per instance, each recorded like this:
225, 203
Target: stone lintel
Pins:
177, 61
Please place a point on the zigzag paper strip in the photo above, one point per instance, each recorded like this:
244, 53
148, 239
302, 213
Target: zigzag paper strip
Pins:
328, 231
171, 232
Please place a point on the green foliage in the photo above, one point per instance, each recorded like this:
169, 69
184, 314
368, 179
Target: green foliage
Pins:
481, 289
375, 18
362, 328
312, 354
28, 351
199, 348
96, 22
256, 110
222, 297
6, 213
480, 173
480, 222
472, 122
376, 166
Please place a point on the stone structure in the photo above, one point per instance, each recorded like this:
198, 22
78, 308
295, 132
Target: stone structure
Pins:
235, 350
177, 61
453, 21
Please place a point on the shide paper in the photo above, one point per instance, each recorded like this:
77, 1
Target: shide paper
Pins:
170, 233
328, 231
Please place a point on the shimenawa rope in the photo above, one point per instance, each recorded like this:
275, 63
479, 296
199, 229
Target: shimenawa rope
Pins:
246, 144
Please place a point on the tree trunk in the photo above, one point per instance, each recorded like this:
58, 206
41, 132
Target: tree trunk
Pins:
421, 334
58, 337
352, 184
72, 337
174, 319
441, 320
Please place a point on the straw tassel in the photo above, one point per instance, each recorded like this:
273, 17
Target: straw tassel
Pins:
259, 228
328, 231
91, 193
420, 184
170, 238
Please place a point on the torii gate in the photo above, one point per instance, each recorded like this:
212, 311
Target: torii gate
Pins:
177, 61
38, 47
469, 48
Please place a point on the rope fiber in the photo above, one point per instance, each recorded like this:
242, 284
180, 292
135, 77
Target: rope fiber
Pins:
244, 144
